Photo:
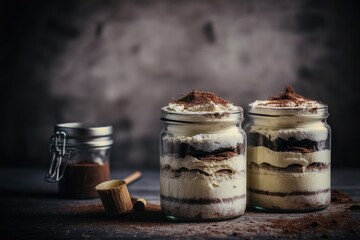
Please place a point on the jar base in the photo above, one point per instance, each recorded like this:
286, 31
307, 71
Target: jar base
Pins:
183, 219
279, 210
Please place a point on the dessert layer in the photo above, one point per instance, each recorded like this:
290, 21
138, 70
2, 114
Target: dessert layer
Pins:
204, 201
293, 168
205, 137
314, 132
288, 183
181, 150
233, 164
197, 101
222, 209
266, 107
291, 203
287, 194
195, 185
209, 107
262, 154
288, 103
287, 145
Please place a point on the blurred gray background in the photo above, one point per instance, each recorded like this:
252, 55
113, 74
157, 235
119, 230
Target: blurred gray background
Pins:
119, 62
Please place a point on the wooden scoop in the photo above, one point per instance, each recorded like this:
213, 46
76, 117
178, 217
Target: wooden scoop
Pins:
132, 177
115, 196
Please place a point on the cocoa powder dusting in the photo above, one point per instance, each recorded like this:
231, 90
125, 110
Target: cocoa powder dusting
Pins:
150, 215
288, 96
199, 98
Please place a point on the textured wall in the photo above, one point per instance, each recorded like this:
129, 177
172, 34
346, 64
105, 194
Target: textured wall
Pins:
118, 62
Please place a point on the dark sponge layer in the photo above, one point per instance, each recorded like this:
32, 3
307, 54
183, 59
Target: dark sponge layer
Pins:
287, 145
181, 150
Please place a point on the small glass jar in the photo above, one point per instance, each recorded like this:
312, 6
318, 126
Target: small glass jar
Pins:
80, 158
202, 165
289, 159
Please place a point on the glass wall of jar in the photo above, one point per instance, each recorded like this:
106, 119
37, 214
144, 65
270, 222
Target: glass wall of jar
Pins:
202, 166
80, 158
289, 159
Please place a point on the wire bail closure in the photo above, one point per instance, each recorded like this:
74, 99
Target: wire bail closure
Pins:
58, 150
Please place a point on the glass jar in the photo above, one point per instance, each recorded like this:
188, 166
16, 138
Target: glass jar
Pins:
202, 165
289, 159
80, 158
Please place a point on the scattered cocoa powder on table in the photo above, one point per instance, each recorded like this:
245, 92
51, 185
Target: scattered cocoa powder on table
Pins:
338, 197
322, 223
355, 207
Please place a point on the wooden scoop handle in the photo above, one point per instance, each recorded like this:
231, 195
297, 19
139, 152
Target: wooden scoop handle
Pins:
132, 177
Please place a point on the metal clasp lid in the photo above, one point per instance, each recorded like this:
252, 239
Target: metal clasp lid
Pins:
69, 138
58, 150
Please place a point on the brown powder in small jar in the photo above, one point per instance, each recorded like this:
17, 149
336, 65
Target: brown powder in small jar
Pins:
80, 179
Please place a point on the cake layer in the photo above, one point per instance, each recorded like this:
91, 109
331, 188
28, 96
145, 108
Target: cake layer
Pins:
287, 183
262, 154
204, 201
293, 168
318, 200
195, 185
183, 149
233, 164
287, 194
221, 208
290, 144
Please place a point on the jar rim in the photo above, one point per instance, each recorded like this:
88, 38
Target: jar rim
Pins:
208, 117
288, 111
79, 129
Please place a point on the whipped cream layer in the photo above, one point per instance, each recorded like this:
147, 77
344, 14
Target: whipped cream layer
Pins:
288, 103
224, 209
314, 132
283, 182
255, 108
262, 154
291, 203
202, 106
195, 185
208, 141
234, 164
210, 107
305, 104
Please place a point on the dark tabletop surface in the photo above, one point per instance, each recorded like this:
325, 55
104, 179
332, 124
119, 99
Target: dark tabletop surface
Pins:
30, 208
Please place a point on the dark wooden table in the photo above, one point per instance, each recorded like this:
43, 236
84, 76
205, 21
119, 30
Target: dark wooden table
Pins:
31, 209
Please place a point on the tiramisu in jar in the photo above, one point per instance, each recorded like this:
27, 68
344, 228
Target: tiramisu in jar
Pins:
202, 159
288, 154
